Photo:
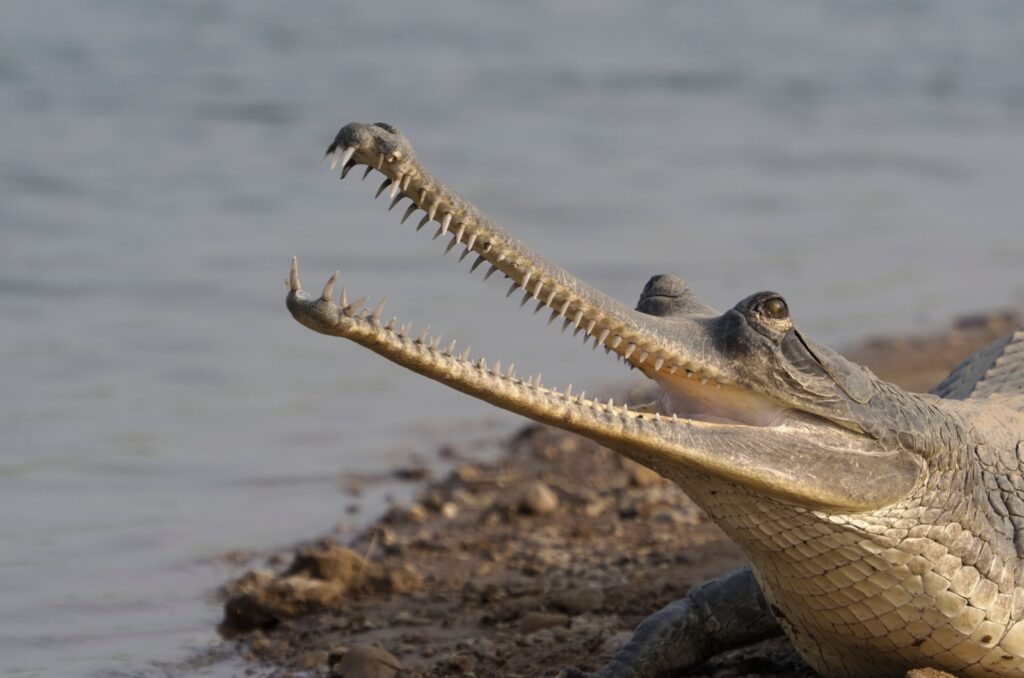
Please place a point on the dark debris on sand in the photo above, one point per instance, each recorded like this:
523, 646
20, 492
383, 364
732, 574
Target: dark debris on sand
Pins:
544, 559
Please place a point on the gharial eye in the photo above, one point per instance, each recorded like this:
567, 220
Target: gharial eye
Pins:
775, 308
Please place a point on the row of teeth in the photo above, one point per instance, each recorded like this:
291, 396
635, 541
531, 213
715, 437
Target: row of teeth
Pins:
357, 311
542, 291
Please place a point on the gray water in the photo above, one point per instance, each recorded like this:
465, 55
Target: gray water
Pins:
159, 165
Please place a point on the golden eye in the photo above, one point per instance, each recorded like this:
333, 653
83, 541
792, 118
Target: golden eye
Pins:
775, 308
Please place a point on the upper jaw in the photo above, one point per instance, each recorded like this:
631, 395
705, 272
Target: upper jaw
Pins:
638, 338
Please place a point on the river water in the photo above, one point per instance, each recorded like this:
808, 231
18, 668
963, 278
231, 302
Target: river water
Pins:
159, 165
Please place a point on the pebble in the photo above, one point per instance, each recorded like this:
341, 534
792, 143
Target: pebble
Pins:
577, 601
367, 661
539, 499
538, 621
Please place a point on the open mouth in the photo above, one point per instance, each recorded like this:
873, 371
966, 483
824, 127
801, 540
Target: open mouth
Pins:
692, 391
706, 420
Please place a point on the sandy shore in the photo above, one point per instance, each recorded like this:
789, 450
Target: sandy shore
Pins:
544, 559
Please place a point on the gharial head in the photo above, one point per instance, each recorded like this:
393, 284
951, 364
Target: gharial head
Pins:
746, 396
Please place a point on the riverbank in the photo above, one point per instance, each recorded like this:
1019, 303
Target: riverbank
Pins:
545, 558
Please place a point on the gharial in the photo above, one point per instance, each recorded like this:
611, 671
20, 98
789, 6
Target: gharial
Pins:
885, 529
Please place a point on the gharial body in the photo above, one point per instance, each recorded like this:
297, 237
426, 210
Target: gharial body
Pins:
885, 529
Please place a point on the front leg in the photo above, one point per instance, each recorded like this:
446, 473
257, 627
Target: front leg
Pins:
715, 616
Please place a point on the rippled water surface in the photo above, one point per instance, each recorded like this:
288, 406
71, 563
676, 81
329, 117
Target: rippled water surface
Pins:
159, 164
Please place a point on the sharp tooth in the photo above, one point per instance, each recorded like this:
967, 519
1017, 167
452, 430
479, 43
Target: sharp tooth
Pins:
490, 271
659, 363
526, 278
423, 196
604, 335
346, 155
565, 307
366, 172
375, 313
672, 370
391, 323
568, 391
643, 356
616, 341
675, 419
406, 180
476, 264
332, 153
611, 404
470, 241
500, 258
481, 364
578, 318
582, 397
423, 222
384, 184
512, 289
590, 326
465, 355
536, 290
293, 276
344, 299
433, 210
354, 307
629, 351
446, 222
460, 232
512, 371
380, 163
395, 200
497, 368
408, 212
404, 332
451, 347
657, 416
397, 186
436, 342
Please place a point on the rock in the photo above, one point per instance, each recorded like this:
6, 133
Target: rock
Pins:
538, 621
403, 515
403, 579
367, 661
413, 473
336, 564
928, 673
577, 601
538, 499
641, 476
313, 660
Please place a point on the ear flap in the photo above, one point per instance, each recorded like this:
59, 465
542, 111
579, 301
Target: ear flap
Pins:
850, 377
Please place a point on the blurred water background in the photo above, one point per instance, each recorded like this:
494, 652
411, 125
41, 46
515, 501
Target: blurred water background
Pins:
159, 165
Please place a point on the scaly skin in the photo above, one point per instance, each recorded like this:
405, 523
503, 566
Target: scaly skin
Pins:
884, 527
